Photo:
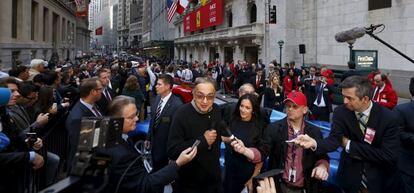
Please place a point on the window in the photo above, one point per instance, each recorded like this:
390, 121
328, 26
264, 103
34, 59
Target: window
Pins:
378, 4
230, 18
253, 13
45, 23
63, 35
55, 28
14, 19
34, 23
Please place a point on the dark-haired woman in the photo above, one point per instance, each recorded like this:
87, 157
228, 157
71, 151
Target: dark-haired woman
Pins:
246, 125
290, 82
133, 90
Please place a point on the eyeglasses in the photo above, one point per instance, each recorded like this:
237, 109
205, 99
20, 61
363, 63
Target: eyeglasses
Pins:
101, 88
201, 96
132, 116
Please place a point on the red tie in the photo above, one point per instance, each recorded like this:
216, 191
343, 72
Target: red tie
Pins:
258, 82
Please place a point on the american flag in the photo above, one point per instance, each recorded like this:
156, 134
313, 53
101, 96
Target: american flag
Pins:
172, 8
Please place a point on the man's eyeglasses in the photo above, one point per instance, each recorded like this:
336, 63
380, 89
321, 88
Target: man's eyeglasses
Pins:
200, 96
101, 88
133, 116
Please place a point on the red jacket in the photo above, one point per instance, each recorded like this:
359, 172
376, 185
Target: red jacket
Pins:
387, 97
288, 84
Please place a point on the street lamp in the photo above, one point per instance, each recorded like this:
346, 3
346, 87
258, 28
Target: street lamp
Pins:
280, 42
350, 42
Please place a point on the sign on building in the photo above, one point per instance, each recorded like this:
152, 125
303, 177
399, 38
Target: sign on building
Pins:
211, 14
365, 59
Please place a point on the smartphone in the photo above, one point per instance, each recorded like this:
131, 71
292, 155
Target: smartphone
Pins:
32, 138
290, 141
195, 144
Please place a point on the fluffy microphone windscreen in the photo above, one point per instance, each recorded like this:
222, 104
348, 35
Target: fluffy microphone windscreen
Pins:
351, 34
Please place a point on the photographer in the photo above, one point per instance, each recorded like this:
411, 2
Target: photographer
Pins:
126, 171
17, 159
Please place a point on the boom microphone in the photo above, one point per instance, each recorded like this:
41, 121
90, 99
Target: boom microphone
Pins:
351, 34
355, 33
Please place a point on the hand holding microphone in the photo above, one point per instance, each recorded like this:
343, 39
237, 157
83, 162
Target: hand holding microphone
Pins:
210, 136
238, 146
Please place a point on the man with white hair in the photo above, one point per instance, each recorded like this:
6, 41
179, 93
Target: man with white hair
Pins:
37, 66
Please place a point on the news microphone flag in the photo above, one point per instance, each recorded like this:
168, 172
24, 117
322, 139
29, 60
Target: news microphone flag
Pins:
173, 7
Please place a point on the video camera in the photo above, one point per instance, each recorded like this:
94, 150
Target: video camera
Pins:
89, 173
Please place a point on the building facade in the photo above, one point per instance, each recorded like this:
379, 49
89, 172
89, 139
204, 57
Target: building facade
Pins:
37, 28
103, 16
245, 34
240, 36
158, 34
123, 23
135, 26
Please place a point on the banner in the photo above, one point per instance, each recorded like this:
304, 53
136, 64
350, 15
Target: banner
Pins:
206, 16
81, 8
99, 31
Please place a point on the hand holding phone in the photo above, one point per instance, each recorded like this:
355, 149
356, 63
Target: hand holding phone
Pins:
195, 144
31, 138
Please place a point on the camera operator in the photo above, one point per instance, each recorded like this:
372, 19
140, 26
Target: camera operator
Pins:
17, 159
126, 171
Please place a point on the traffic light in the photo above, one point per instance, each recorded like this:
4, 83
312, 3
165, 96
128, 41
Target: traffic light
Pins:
272, 14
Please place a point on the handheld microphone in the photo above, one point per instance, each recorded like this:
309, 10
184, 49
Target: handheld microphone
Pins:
225, 130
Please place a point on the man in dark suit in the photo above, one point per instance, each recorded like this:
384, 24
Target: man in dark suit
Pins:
90, 92
104, 77
127, 173
321, 103
405, 114
162, 110
196, 120
259, 82
369, 135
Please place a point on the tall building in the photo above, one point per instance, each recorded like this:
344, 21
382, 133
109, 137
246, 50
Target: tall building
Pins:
135, 26
103, 24
240, 30
158, 35
37, 28
123, 23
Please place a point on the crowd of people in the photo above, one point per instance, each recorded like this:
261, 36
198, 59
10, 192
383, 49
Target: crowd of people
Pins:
47, 103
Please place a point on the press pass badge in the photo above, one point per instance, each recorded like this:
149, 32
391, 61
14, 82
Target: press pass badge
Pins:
369, 135
292, 175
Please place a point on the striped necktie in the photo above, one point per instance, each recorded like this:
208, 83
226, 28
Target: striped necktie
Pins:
157, 114
363, 126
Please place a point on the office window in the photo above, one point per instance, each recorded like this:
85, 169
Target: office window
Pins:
46, 24
253, 13
34, 23
230, 18
378, 4
14, 18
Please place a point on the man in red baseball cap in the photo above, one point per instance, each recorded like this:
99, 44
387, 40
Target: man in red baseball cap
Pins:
299, 165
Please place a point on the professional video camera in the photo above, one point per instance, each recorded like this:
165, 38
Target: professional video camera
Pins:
89, 173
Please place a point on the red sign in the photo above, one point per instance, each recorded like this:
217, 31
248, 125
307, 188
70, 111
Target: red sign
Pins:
208, 15
99, 31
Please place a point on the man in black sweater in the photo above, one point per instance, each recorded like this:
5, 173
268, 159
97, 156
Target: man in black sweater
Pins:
194, 121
